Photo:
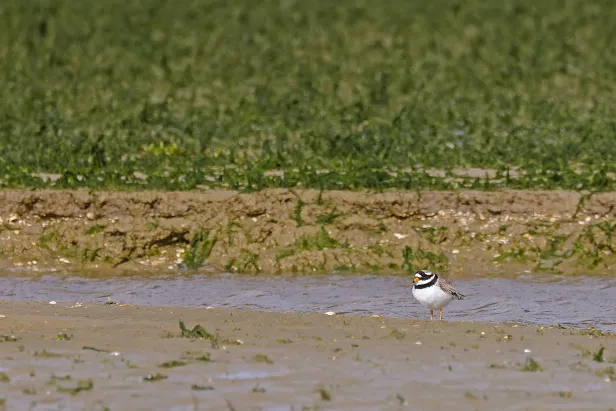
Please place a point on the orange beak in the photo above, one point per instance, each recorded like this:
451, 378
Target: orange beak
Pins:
415, 279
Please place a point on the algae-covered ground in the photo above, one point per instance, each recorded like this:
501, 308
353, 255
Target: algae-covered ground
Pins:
465, 234
324, 94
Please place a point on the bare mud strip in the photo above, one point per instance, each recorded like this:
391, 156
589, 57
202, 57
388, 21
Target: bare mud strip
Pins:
76, 356
468, 233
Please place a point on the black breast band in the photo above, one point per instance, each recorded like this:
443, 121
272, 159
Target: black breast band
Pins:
428, 284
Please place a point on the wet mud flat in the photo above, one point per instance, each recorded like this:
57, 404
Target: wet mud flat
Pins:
296, 232
76, 356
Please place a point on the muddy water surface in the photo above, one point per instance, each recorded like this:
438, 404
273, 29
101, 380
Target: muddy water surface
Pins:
579, 302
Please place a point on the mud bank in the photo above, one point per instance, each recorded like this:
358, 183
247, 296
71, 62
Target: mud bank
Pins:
78, 356
293, 232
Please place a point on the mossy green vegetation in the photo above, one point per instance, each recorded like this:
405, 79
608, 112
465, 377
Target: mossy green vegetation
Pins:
196, 387
324, 394
532, 366
200, 248
330, 95
258, 389
82, 385
155, 377
198, 332
322, 240
598, 356
414, 260
172, 364
64, 337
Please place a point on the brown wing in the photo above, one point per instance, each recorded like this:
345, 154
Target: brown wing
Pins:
448, 288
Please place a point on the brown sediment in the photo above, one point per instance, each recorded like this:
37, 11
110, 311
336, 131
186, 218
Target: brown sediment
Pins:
286, 232
72, 355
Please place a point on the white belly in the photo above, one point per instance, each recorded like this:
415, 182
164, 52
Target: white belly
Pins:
432, 298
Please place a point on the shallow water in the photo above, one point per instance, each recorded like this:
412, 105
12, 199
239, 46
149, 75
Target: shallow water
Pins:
579, 302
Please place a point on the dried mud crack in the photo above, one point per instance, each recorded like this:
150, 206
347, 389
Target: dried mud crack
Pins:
293, 232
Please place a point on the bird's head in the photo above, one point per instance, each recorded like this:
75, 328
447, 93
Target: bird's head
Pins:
422, 275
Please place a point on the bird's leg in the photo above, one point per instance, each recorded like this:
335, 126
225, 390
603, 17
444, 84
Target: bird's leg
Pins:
441, 314
431, 315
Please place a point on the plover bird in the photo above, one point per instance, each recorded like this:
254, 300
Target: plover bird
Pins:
433, 292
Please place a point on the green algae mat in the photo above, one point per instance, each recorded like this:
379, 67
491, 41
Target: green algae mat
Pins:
355, 94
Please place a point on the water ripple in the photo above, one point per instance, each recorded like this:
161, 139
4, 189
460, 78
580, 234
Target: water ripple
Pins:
582, 302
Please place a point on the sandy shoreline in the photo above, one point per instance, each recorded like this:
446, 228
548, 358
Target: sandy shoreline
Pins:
286, 232
263, 361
